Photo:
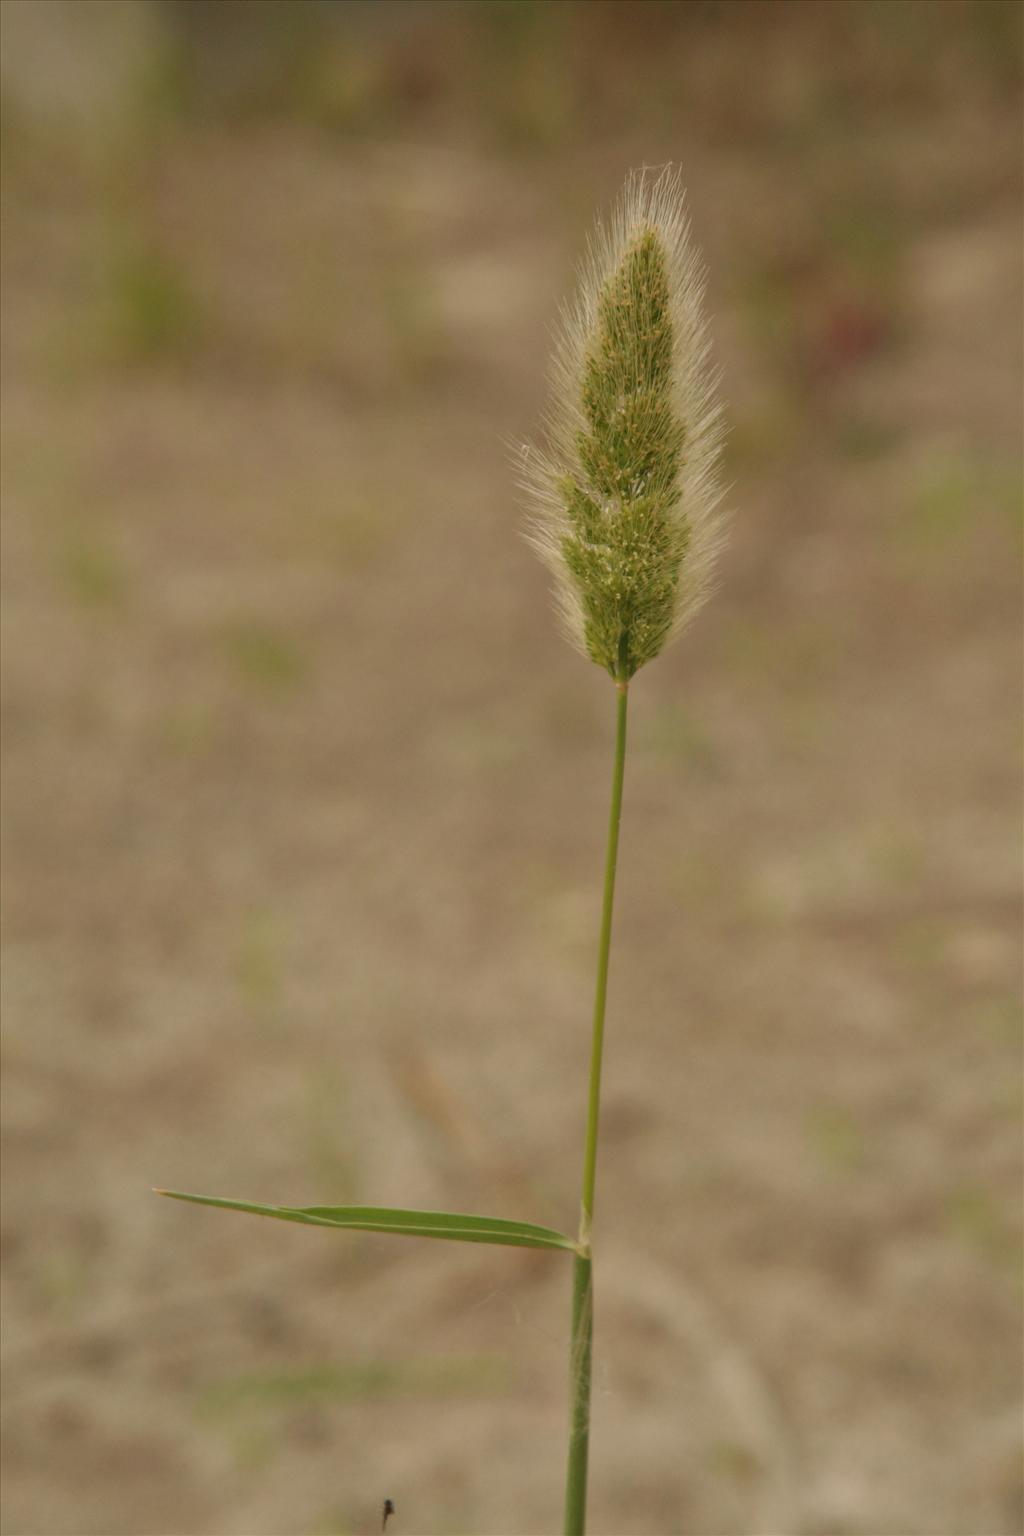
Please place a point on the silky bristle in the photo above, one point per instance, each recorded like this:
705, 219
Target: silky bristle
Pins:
623, 492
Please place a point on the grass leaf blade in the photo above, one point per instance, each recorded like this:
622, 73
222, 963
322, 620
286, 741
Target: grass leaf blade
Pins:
407, 1223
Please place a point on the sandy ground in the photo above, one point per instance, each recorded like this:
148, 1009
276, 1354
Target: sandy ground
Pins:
304, 805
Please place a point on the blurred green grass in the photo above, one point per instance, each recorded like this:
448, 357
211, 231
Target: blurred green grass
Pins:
353, 1381
153, 314
91, 570
270, 661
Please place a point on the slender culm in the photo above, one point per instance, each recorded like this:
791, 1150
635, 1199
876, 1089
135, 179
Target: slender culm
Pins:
624, 504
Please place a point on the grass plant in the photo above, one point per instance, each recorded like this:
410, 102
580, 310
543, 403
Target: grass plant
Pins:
624, 512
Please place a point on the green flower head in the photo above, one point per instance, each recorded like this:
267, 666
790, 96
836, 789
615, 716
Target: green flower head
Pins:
623, 492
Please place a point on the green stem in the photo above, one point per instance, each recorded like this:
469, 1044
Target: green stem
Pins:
579, 1388
582, 1280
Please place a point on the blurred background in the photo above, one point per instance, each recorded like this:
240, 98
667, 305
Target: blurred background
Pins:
305, 797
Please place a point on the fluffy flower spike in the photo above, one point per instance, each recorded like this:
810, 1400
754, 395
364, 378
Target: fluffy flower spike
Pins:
623, 492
